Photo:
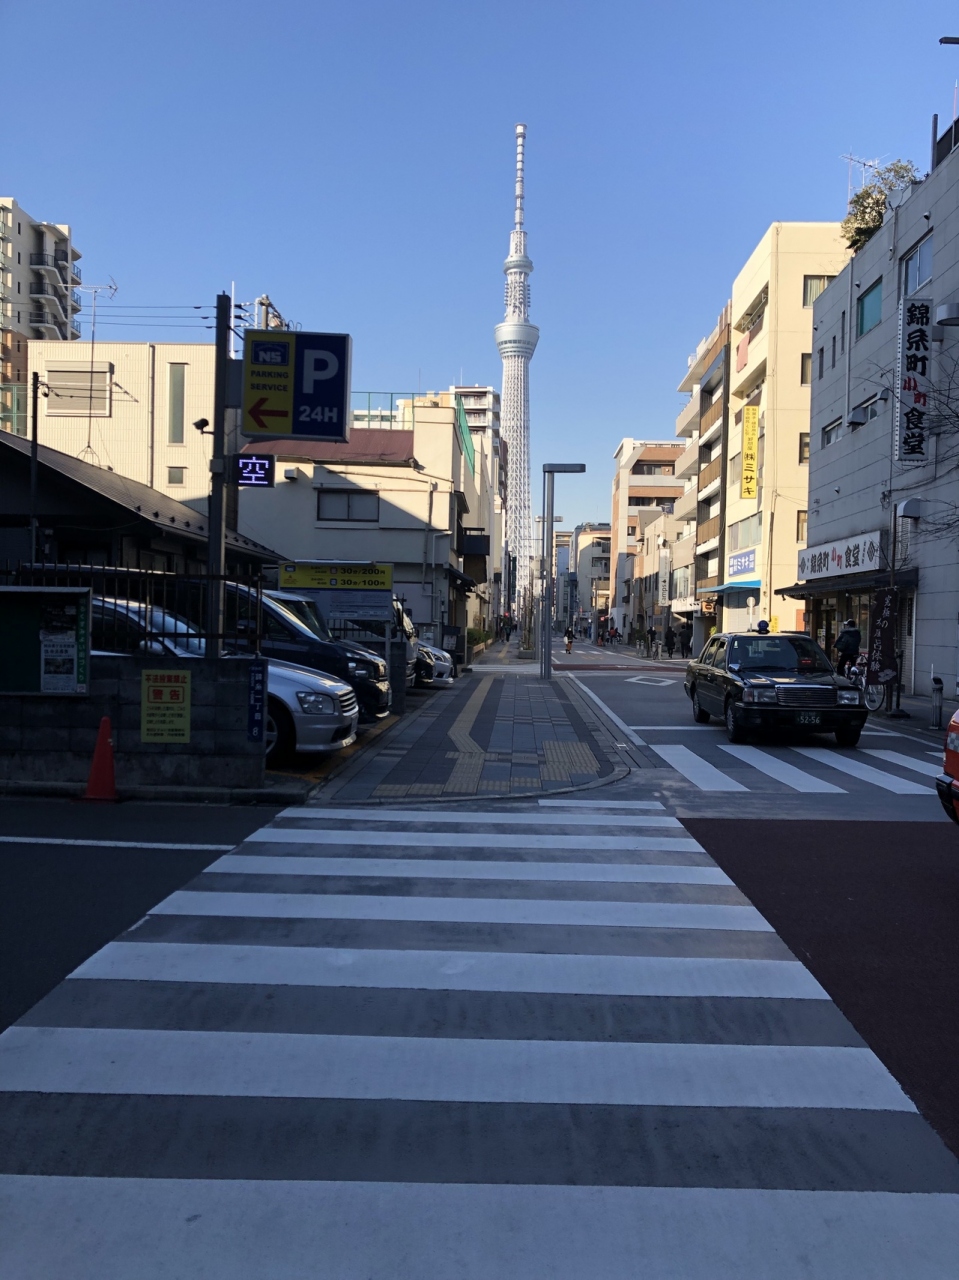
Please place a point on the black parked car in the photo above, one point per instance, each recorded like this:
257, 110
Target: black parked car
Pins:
756, 681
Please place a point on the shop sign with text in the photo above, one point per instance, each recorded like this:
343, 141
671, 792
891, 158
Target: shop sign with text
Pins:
858, 554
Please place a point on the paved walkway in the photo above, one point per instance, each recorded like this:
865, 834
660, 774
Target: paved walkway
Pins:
493, 734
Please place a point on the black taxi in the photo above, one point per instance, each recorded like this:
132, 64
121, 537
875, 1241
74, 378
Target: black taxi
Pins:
756, 681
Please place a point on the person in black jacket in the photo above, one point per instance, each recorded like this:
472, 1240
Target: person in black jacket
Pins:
848, 644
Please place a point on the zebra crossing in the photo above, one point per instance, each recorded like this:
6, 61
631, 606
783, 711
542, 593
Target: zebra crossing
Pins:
547, 1041
706, 763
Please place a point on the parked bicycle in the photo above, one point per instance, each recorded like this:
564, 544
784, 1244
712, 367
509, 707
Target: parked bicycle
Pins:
874, 695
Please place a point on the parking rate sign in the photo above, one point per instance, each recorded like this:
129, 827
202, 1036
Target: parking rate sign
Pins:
296, 385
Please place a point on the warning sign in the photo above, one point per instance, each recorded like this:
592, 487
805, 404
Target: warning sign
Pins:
165, 706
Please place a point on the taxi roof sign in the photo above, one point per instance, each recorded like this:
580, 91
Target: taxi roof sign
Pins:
296, 385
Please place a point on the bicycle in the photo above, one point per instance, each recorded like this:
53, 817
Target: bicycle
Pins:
874, 695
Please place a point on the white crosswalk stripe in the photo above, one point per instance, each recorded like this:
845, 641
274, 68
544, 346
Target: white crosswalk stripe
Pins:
781, 770
470, 1043
856, 768
908, 762
698, 771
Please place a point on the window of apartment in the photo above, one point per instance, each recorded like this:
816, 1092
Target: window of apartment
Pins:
176, 383
652, 468
801, 526
812, 287
833, 365
630, 531
174, 475
917, 267
822, 361
869, 409
645, 502
803, 447
842, 334
347, 504
869, 309
746, 533
77, 391
830, 433
735, 469
805, 368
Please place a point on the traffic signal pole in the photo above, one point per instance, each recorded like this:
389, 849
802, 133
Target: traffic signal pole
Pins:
217, 516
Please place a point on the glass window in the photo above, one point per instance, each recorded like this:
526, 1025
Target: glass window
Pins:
833, 365
803, 447
779, 653
805, 368
830, 433
719, 657
869, 309
707, 654
812, 287
177, 382
347, 504
918, 266
801, 526
822, 361
174, 475
79, 392
842, 333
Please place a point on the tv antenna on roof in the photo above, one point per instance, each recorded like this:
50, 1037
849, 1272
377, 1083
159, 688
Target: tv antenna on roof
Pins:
863, 166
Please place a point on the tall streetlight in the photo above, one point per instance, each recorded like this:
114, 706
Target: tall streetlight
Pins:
549, 471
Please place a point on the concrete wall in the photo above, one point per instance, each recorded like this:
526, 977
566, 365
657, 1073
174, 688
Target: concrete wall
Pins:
51, 739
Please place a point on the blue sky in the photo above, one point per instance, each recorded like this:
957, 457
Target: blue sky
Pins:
355, 162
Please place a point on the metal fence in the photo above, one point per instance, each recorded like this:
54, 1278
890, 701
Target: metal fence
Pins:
135, 608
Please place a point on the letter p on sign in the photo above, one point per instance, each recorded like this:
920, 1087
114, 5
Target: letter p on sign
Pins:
318, 366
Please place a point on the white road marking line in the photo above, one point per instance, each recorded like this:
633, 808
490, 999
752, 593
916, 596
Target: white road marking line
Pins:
473, 839
429, 869
537, 973
696, 770
600, 804
60, 1226
907, 762
287, 1065
499, 818
621, 725
771, 765
679, 728
865, 772
95, 843
518, 911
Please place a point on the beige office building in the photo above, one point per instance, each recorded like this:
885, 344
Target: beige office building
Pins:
771, 369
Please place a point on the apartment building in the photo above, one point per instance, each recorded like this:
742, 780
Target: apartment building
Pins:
129, 407
481, 406
561, 601
765, 480
38, 299
645, 485
884, 433
413, 494
589, 558
697, 545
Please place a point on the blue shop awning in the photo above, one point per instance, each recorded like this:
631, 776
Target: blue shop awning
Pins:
746, 584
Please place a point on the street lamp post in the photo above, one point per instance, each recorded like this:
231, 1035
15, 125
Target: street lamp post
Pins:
546, 632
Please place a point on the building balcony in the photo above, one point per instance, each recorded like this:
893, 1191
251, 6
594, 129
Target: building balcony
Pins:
685, 505
74, 329
711, 416
76, 300
706, 530
688, 461
48, 265
75, 273
708, 584
688, 418
712, 471
51, 297
48, 325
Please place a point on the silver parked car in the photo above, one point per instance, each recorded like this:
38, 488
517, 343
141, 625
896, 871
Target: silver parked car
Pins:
443, 663
306, 710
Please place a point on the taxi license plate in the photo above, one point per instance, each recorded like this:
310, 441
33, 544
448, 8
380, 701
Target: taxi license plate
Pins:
807, 717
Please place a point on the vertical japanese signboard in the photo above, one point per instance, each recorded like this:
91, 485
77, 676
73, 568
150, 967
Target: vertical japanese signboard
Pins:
915, 382
165, 706
256, 700
749, 485
882, 638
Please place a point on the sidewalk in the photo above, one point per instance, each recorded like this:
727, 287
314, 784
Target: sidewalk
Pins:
493, 734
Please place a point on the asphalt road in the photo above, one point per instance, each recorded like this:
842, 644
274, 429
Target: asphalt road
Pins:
59, 903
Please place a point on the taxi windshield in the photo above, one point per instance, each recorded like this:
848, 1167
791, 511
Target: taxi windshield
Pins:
778, 653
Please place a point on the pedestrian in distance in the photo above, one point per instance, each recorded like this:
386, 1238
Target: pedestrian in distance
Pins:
848, 644
685, 640
569, 639
669, 641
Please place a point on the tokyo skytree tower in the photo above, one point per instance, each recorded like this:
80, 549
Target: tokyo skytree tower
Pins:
516, 339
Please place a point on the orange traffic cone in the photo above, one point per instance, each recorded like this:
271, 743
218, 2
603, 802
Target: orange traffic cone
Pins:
101, 785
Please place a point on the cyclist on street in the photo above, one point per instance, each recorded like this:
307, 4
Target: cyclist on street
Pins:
847, 646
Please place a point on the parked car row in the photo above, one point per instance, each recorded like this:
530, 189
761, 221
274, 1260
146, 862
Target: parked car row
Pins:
319, 688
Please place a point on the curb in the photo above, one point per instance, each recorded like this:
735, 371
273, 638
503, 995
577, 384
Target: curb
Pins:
280, 794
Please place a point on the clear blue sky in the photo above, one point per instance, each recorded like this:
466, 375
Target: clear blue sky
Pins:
355, 162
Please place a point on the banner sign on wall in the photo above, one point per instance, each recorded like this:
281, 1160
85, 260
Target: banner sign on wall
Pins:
749, 485
882, 637
915, 381
742, 562
858, 554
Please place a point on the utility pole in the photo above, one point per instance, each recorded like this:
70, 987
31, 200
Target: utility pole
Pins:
217, 515
35, 413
